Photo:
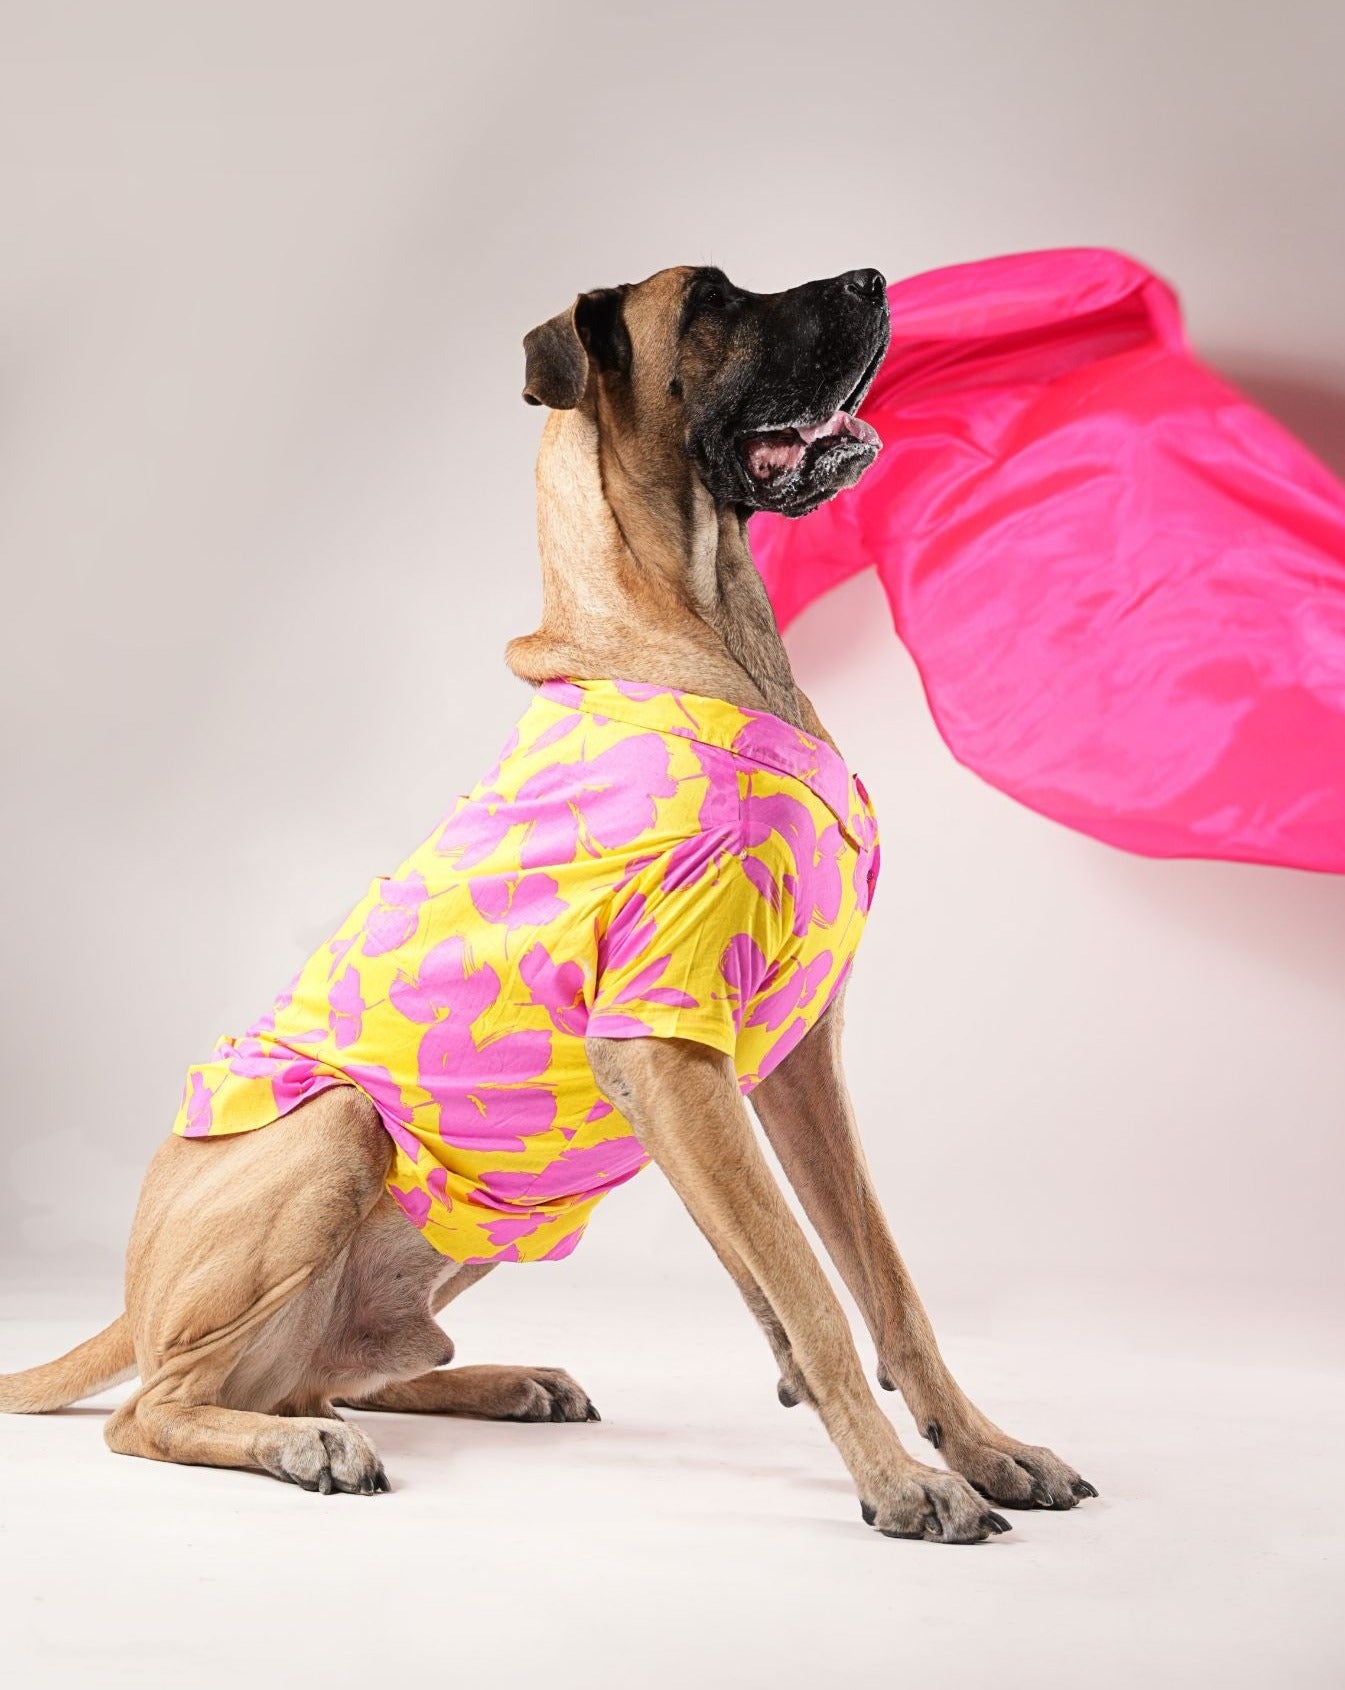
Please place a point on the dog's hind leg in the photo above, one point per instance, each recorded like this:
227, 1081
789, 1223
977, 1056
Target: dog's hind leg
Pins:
478, 1393
317, 1453
228, 1234
486, 1393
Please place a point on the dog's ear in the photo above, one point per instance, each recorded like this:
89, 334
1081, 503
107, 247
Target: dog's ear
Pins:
558, 353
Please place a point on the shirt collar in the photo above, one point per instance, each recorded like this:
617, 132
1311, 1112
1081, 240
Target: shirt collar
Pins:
756, 736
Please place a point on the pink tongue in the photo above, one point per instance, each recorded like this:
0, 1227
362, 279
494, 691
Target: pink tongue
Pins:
775, 454
840, 422
771, 457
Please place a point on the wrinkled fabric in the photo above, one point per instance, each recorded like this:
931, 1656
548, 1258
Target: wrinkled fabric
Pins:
638, 863
1123, 584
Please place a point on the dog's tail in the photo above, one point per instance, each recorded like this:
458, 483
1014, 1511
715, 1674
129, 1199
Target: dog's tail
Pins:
97, 1362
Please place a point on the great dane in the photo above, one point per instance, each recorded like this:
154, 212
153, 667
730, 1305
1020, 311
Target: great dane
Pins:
271, 1275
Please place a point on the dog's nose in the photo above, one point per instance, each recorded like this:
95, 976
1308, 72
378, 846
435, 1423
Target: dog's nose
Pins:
868, 284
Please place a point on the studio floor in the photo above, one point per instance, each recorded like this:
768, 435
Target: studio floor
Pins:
701, 1535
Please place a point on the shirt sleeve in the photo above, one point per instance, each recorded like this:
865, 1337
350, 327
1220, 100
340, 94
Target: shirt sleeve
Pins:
686, 944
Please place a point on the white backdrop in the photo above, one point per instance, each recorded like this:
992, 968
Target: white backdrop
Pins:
265, 527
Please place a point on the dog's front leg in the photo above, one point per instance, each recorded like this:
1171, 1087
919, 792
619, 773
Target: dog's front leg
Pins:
683, 1102
792, 1388
805, 1108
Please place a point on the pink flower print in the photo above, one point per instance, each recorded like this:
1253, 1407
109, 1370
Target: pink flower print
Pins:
200, 1108
815, 882
563, 692
293, 1079
792, 820
295, 1082
719, 805
691, 860
477, 1113
477, 1088
629, 936
557, 987
555, 733
744, 969
492, 774
642, 987
394, 919
476, 830
614, 1026
518, 900
346, 1016
799, 989
635, 867
578, 1172
511, 1227
761, 877
563, 1246
495, 1118
870, 862
446, 984
414, 1204
338, 948
818, 893
594, 804
628, 933
645, 693
250, 1058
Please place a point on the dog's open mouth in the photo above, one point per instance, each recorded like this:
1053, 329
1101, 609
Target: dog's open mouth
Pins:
777, 453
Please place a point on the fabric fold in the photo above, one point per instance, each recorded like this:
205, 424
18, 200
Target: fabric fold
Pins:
1123, 584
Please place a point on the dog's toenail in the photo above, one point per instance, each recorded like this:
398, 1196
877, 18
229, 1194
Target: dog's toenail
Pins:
885, 1380
868, 1514
933, 1433
996, 1523
1081, 1487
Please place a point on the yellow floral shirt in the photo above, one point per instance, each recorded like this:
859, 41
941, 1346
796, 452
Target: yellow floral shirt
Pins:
639, 862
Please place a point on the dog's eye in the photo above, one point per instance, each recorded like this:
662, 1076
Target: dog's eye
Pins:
713, 298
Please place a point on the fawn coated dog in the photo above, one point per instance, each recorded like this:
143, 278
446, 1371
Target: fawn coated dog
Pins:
274, 1274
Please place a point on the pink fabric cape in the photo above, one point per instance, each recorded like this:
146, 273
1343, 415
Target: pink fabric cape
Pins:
1123, 585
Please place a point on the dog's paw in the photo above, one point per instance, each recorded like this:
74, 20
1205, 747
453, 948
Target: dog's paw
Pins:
1017, 1475
922, 1502
321, 1455
542, 1393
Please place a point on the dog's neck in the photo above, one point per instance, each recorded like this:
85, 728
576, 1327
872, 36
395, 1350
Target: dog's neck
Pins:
645, 579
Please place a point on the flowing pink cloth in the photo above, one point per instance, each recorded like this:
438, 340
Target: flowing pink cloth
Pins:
1123, 585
